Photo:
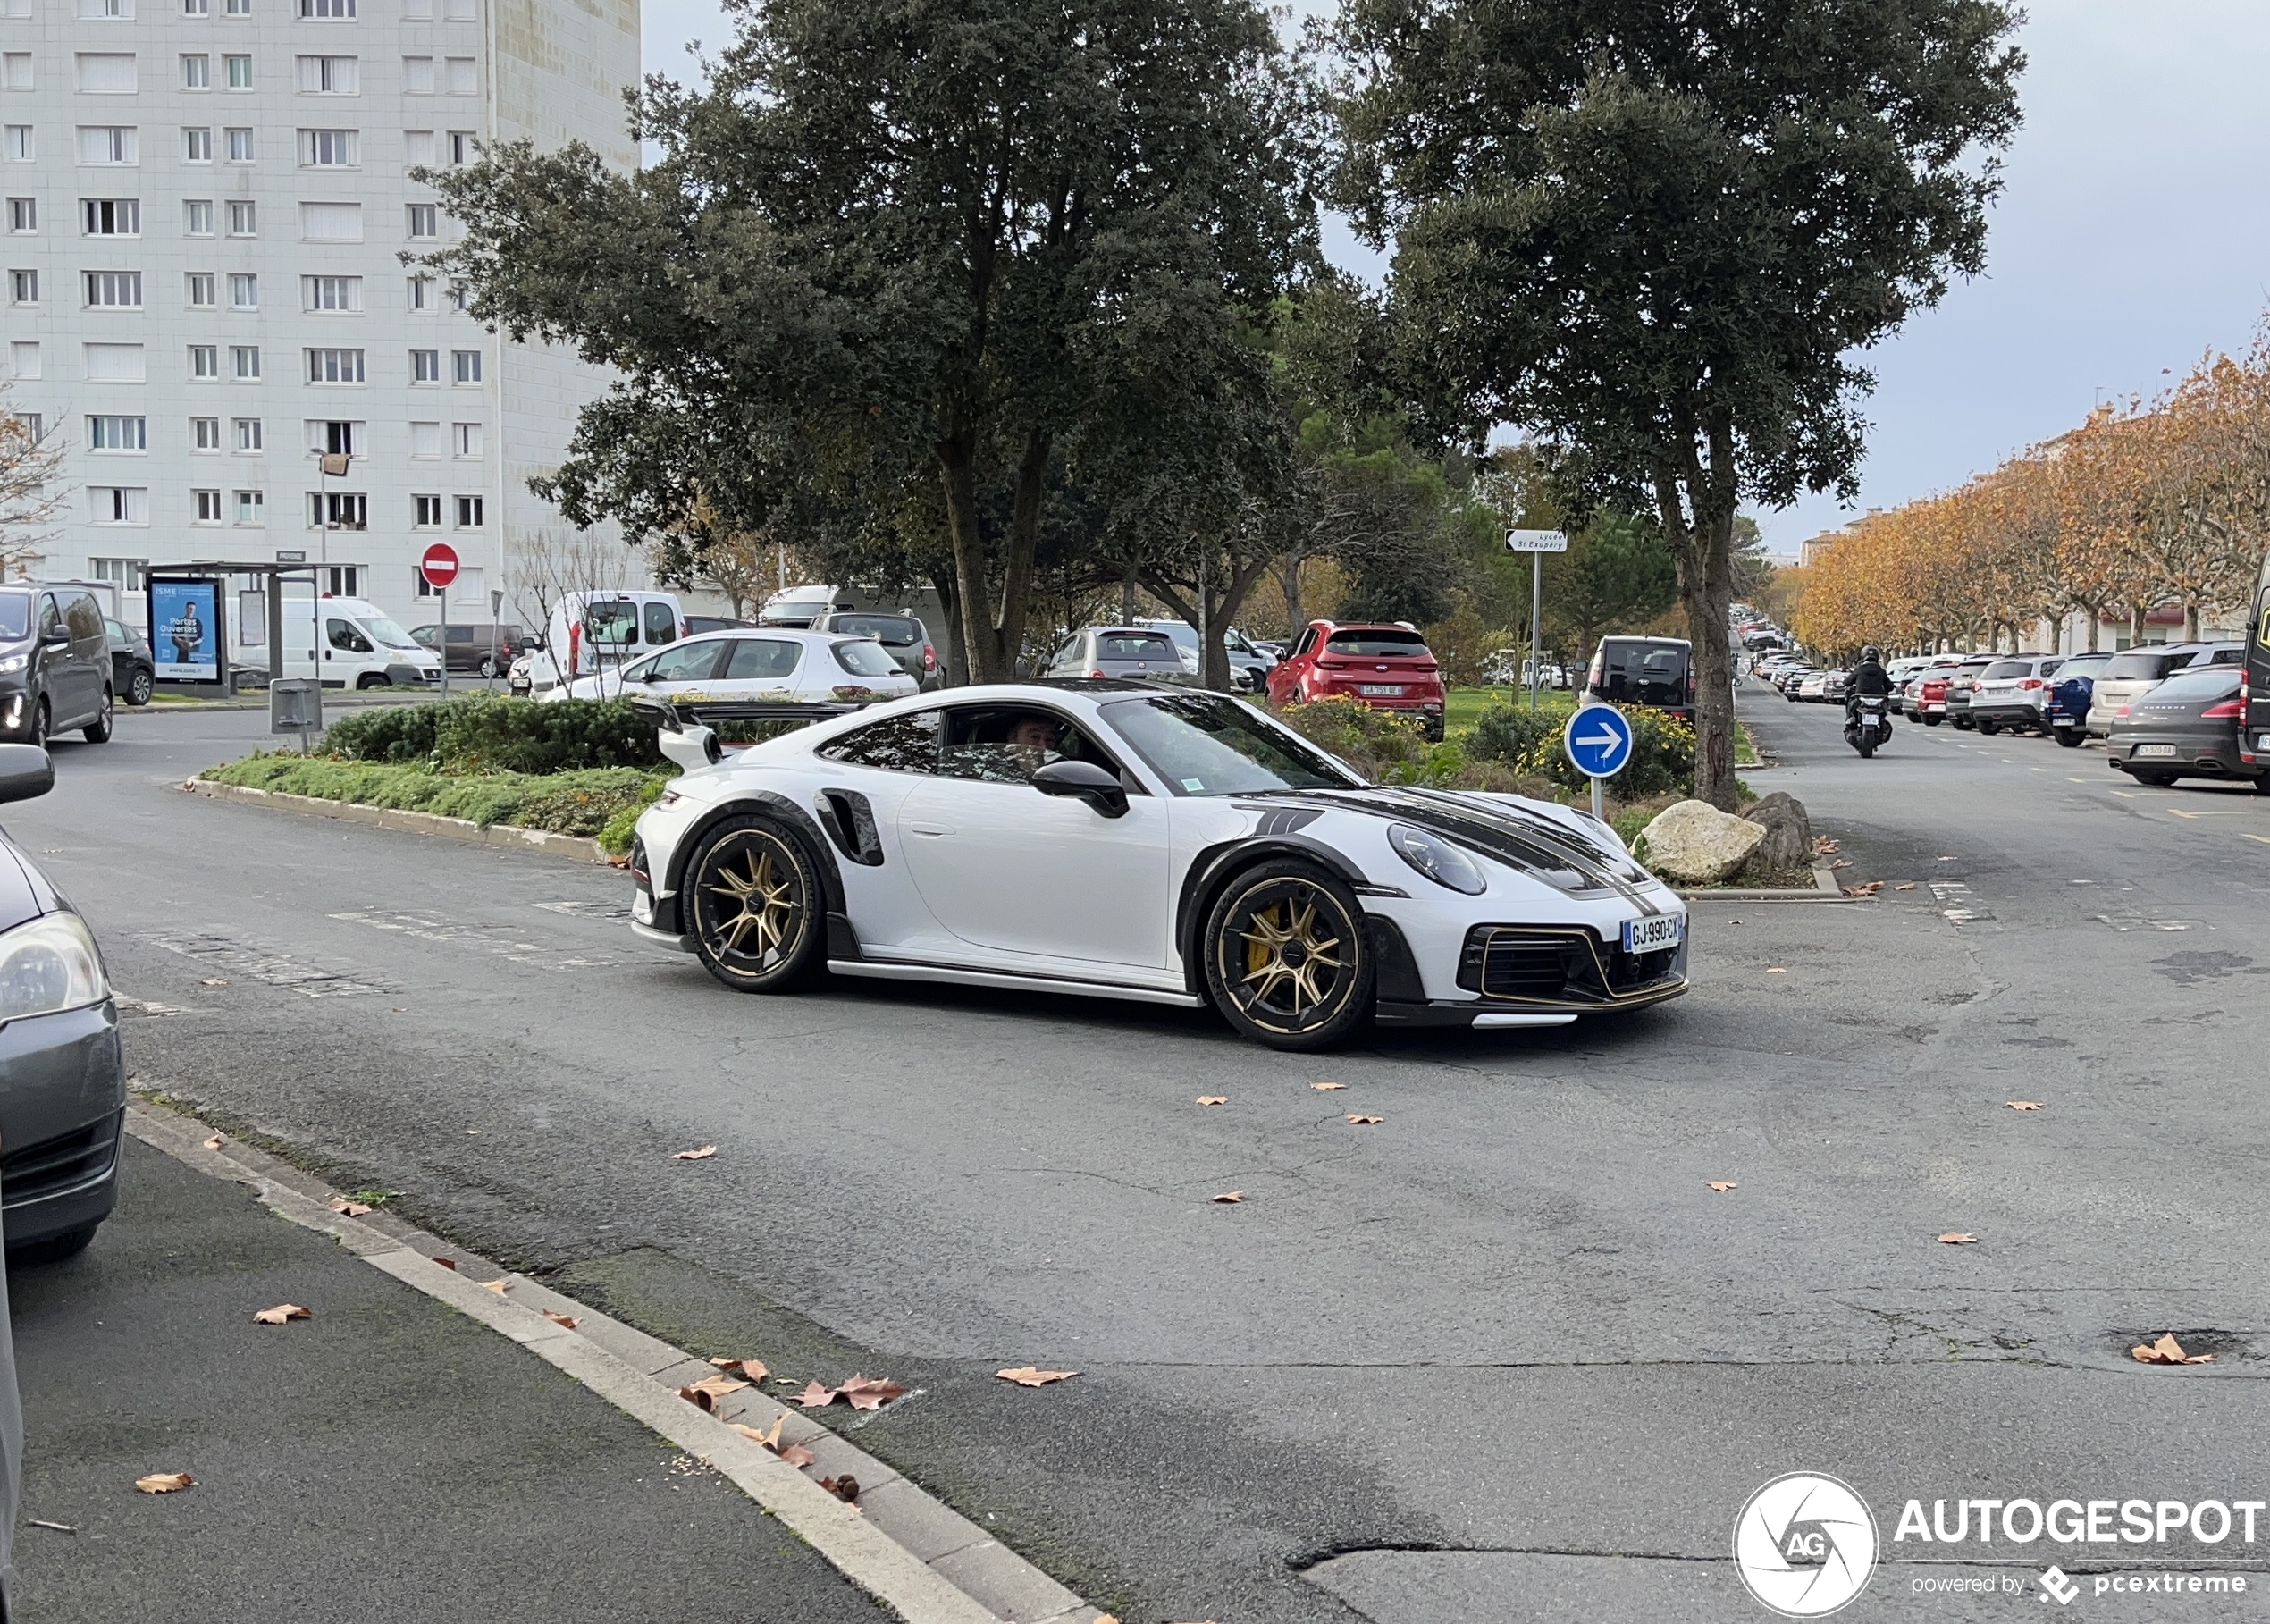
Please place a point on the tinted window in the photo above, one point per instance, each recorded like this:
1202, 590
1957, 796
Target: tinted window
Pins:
903, 744
2006, 668
2203, 683
897, 630
2235, 655
2050, 668
762, 658
15, 614
862, 658
1203, 745
2134, 666
461, 634
1007, 743
1407, 644
84, 615
1134, 645
344, 637
688, 663
2084, 665
661, 623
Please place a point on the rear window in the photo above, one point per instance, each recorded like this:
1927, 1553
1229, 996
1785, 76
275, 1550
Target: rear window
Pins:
862, 658
897, 630
2205, 682
2135, 667
2084, 665
2007, 668
1131, 646
1406, 645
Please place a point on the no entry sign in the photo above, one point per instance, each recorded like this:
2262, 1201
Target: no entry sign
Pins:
438, 566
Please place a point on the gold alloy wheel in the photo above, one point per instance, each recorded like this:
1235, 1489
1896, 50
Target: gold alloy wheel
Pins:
1292, 968
757, 910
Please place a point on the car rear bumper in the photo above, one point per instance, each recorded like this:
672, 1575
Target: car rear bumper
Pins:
2007, 711
2197, 755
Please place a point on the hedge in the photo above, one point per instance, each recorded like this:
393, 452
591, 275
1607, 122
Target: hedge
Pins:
490, 733
1529, 742
599, 801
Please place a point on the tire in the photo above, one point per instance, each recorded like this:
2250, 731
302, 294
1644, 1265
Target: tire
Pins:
139, 687
99, 731
488, 668
371, 680
1989, 727
1435, 732
1279, 923
750, 856
2262, 785
1933, 722
54, 1249
2157, 780
1866, 752
40, 723
2072, 739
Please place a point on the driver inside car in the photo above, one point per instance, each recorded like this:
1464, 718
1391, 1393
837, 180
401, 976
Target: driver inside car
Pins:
1036, 739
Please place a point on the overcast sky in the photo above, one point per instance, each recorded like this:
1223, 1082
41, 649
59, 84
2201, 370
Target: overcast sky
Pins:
2134, 235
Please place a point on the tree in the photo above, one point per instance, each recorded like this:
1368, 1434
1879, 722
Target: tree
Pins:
972, 247
1654, 232
30, 462
1616, 573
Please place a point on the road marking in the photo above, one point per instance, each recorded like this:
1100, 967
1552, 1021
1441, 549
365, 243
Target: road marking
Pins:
2263, 838
536, 955
2235, 811
274, 969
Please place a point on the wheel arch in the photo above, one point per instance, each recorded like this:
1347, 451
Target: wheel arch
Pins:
1213, 868
774, 805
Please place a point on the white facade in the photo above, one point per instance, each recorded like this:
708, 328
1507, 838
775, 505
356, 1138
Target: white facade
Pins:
205, 203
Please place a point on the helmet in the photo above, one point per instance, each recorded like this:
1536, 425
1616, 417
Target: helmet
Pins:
1869, 655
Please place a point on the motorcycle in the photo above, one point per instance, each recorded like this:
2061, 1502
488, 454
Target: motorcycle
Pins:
1868, 725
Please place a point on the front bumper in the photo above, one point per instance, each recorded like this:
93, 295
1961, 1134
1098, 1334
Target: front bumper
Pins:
62, 1098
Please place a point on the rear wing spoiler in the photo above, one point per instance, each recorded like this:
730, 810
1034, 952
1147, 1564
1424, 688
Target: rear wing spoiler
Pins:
686, 729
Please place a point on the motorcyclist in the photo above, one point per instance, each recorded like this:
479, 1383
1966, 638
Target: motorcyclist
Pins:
1870, 680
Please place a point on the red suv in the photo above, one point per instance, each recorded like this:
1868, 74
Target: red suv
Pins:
1387, 668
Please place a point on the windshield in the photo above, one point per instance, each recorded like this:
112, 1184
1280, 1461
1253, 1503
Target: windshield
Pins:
1203, 744
385, 631
15, 614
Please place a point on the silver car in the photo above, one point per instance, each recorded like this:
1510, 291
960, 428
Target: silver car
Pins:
2133, 671
2013, 692
1119, 651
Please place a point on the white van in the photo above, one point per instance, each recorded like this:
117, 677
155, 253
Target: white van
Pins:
593, 634
344, 643
797, 606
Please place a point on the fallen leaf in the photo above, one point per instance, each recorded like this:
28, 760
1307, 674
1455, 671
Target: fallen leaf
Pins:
498, 1286
1840, 863
1776, 970
566, 1321
844, 1488
705, 1393
1026, 1376
216, 980
164, 1483
1213, 1099
1955, 1237
794, 1454
2025, 1105
1321, 1087
771, 1440
1229, 1197
2167, 1350
1824, 844
815, 1397
352, 1209
1362, 1121
1724, 1184
447, 1263
870, 1391
280, 1313
41, 1522
214, 1143
1905, 885
749, 1369
1869, 890
703, 1154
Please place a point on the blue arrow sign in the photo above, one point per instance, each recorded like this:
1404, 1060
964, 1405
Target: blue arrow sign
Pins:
1599, 740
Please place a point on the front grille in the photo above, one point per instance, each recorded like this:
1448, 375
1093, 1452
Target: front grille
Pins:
1569, 966
64, 1162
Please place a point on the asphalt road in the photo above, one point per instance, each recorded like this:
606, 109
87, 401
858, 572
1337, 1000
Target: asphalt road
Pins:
1503, 1356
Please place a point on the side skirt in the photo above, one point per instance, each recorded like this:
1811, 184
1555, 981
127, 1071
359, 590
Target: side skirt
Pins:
1011, 980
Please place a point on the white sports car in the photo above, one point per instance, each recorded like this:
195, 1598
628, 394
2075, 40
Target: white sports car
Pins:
1126, 840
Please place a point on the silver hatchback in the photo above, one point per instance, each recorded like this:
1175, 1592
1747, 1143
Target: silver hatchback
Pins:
2133, 671
1119, 651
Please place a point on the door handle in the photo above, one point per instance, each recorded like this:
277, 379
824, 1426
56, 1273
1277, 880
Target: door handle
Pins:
930, 828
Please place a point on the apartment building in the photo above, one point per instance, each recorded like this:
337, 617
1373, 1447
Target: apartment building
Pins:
205, 203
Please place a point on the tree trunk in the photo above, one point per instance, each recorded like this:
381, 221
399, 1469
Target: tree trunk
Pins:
1289, 579
2190, 623
954, 668
1703, 554
973, 588
2135, 624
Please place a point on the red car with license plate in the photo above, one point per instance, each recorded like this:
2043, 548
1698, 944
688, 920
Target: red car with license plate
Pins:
1389, 668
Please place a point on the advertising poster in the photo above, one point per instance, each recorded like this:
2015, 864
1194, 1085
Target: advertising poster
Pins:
185, 630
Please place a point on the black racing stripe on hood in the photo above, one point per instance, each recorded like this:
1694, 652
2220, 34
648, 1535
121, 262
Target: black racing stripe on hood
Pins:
1537, 845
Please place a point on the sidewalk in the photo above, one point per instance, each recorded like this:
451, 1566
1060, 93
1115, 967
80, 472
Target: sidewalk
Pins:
387, 1453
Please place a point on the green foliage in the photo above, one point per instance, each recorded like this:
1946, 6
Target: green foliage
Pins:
1365, 738
490, 733
1617, 575
1530, 742
591, 802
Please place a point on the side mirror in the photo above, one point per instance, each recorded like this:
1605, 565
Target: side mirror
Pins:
1090, 783
55, 636
691, 748
25, 772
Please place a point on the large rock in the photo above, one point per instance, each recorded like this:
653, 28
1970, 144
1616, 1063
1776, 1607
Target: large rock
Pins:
1693, 843
1787, 851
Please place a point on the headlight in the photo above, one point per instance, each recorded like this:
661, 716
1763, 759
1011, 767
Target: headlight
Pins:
15, 662
1436, 858
47, 965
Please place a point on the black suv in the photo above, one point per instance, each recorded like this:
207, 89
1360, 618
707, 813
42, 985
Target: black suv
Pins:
54, 664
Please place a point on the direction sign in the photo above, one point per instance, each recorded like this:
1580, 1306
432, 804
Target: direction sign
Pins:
1599, 740
1537, 541
438, 566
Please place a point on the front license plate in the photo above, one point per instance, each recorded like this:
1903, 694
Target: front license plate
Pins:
1385, 689
1651, 935
2156, 749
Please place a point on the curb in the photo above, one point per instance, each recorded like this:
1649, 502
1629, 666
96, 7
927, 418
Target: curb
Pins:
1825, 888
908, 1549
581, 848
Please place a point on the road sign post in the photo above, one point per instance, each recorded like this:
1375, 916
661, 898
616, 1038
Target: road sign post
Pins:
1598, 739
438, 566
1536, 543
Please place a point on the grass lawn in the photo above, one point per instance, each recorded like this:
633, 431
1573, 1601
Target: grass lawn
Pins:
602, 801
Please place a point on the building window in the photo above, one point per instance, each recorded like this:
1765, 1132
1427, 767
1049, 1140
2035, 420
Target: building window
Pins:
24, 361
204, 506
338, 510
120, 504
196, 8
241, 147
244, 291
125, 574
417, 75
239, 72
461, 297
343, 580
15, 70
330, 293
15, 143
426, 514
237, 8
335, 366
205, 434
335, 439
102, 73
464, 147
465, 364
197, 146
200, 289
463, 80
243, 218
108, 433
105, 11
197, 72
417, 147
113, 216
205, 361
425, 222
329, 148
425, 441
418, 293
331, 221
464, 439
23, 287
426, 364
248, 433
327, 11
23, 214
109, 144
251, 505
468, 513
196, 217
244, 362
460, 10
114, 290
330, 76
115, 363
